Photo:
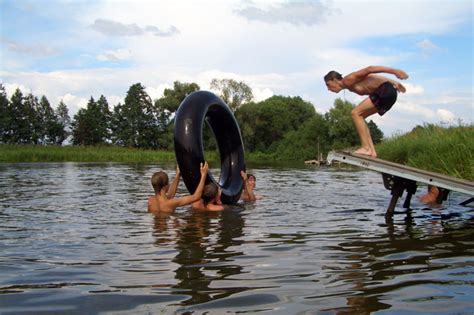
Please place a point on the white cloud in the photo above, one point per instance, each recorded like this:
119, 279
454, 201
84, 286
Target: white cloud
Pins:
413, 89
33, 49
426, 45
157, 92
297, 13
262, 94
115, 55
445, 115
113, 28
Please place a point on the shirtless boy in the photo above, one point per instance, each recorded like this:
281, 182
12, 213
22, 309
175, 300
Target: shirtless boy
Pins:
382, 94
211, 199
163, 200
249, 186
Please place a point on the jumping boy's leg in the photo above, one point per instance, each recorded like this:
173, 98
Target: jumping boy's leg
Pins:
359, 113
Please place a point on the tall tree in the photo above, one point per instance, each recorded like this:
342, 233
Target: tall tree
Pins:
91, 125
232, 92
375, 132
172, 98
4, 115
64, 122
135, 123
47, 121
341, 128
307, 142
20, 113
264, 124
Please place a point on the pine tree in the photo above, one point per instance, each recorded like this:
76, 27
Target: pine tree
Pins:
135, 122
5, 116
91, 125
64, 121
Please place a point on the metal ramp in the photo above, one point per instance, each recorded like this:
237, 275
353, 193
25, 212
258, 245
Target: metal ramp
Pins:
398, 178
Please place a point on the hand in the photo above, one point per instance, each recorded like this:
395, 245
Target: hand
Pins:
401, 75
400, 87
204, 168
244, 175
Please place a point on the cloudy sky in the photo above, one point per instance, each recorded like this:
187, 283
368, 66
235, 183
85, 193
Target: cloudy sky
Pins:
71, 50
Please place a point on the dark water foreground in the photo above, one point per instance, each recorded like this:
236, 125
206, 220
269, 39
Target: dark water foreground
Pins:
76, 239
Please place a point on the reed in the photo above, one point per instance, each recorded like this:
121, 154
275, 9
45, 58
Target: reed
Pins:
445, 150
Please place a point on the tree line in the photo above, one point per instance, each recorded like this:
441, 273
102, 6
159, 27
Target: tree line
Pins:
288, 127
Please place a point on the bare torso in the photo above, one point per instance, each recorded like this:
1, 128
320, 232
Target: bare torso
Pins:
369, 84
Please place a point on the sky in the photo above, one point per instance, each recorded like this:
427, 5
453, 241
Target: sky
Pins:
72, 50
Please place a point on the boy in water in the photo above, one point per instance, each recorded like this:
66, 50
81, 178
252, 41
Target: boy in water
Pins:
211, 199
382, 94
249, 185
163, 200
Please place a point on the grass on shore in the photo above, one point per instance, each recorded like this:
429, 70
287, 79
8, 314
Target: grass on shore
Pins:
448, 151
52, 153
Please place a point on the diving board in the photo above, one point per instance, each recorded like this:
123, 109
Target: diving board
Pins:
398, 177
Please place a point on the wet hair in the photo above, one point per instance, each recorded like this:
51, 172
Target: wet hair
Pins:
251, 175
159, 180
332, 75
209, 192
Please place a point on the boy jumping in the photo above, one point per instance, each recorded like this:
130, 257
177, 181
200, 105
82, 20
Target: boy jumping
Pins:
382, 94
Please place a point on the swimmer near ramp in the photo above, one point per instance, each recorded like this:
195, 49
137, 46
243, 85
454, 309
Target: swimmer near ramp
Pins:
397, 178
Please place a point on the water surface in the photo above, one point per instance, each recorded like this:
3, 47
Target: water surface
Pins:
75, 238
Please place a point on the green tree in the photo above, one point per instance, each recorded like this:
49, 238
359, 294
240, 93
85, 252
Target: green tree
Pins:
22, 122
47, 122
308, 142
91, 125
342, 133
375, 132
233, 93
135, 123
61, 131
4, 115
172, 98
264, 124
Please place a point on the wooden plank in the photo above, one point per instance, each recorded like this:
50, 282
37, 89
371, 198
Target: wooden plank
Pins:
408, 172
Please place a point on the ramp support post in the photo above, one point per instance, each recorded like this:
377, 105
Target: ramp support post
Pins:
397, 185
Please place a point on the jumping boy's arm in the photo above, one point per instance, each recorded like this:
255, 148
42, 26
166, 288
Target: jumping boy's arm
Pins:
177, 202
359, 75
174, 185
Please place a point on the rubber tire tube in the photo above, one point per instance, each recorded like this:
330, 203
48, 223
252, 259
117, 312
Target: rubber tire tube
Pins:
205, 106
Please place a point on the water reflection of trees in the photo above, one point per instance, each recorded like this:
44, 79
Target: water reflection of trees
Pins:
374, 266
202, 240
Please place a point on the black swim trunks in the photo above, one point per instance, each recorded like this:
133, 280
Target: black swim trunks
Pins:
384, 97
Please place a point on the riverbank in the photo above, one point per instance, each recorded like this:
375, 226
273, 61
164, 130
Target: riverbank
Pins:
443, 150
52, 153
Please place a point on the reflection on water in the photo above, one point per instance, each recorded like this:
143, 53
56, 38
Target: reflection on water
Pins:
75, 238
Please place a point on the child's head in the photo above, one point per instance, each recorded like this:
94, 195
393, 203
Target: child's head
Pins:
159, 180
209, 193
252, 180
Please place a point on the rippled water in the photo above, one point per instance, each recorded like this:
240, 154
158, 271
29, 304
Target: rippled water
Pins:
75, 238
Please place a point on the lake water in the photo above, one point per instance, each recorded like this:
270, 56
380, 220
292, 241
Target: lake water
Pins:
75, 238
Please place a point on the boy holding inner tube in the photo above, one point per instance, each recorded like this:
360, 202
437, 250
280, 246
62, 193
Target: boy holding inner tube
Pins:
210, 199
164, 200
382, 94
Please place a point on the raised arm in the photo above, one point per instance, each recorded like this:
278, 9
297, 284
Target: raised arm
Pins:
359, 75
197, 194
174, 185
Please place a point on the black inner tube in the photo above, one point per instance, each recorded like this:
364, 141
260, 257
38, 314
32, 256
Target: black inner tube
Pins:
197, 108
